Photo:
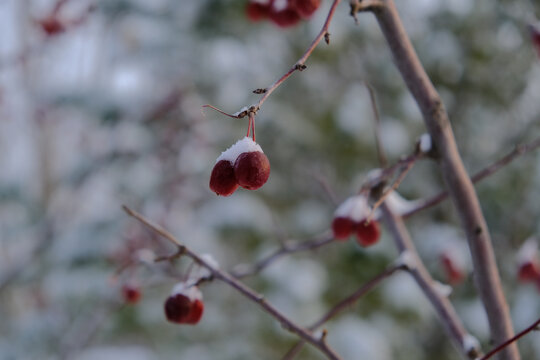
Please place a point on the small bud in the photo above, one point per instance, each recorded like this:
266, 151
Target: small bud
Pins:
367, 234
305, 8
252, 170
222, 179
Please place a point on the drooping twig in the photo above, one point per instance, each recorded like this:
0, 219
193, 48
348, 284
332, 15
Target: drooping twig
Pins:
442, 305
318, 342
383, 162
534, 326
344, 304
459, 185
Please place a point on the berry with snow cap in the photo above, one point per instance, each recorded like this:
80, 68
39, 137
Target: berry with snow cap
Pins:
283, 14
243, 164
528, 263
184, 305
350, 217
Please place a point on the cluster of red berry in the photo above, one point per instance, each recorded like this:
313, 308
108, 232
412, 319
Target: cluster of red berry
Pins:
283, 13
243, 164
351, 218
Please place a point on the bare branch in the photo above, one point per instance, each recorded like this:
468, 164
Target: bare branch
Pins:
247, 292
458, 183
533, 327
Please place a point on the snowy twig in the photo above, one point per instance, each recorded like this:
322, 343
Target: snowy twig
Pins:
442, 305
286, 249
344, 304
533, 327
318, 342
459, 185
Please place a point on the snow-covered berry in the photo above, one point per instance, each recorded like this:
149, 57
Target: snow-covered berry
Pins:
184, 305
342, 227
283, 15
222, 180
252, 170
367, 233
528, 262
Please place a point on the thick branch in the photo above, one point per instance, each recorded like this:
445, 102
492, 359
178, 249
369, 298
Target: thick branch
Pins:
305, 334
458, 183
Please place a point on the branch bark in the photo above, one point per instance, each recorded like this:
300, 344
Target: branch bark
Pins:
457, 181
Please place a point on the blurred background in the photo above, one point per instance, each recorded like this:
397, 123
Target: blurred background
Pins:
100, 106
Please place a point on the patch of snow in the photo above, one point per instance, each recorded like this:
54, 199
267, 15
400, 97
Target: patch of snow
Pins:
192, 292
425, 143
407, 259
528, 251
241, 146
470, 343
443, 290
355, 208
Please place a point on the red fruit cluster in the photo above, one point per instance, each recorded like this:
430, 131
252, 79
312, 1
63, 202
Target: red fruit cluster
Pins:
131, 294
243, 164
185, 305
350, 218
283, 13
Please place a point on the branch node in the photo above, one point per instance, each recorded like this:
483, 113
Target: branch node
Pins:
300, 67
327, 38
259, 91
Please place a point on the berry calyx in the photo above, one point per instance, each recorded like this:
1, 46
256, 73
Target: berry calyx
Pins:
342, 227
252, 170
367, 233
305, 8
222, 180
257, 11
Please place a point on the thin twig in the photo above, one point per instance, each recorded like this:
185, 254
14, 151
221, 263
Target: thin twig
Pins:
518, 151
442, 305
383, 162
250, 294
534, 326
343, 305
286, 249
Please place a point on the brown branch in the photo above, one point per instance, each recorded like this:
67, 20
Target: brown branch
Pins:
534, 326
286, 249
441, 304
247, 292
344, 304
519, 150
458, 183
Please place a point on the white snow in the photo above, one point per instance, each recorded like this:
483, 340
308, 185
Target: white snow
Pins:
241, 146
470, 343
443, 290
425, 143
355, 208
399, 205
192, 292
528, 251
407, 259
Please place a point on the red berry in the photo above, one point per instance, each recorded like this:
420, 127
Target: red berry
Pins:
528, 271
284, 18
257, 11
453, 273
342, 227
535, 37
131, 294
51, 25
305, 8
222, 179
252, 170
195, 313
367, 234
178, 308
